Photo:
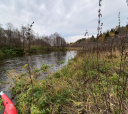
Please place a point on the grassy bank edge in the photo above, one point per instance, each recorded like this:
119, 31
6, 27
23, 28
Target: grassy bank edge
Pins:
77, 88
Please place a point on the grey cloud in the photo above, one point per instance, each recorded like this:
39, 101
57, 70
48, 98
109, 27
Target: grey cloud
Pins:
67, 17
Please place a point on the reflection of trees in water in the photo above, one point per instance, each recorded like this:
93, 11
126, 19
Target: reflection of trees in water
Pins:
59, 54
17, 63
52, 58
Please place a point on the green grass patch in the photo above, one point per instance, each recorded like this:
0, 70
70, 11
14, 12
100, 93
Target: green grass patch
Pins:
79, 87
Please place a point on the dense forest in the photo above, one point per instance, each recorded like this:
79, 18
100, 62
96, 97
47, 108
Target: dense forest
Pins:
16, 37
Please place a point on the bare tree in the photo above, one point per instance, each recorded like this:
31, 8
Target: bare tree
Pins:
9, 32
23, 35
17, 38
2, 37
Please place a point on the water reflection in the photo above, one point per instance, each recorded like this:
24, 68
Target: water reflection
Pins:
52, 58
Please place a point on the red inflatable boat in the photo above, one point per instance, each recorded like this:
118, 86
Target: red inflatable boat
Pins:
8, 104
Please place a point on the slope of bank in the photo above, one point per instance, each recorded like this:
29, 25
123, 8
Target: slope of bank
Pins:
83, 86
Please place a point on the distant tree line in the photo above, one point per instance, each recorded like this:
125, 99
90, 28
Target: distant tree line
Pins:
12, 36
102, 38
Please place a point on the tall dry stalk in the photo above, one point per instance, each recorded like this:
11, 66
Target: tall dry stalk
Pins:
27, 58
121, 55
124, 84
86, 33
122, 67
99, 30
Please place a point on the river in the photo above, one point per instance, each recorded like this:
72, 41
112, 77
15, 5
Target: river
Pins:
17, 63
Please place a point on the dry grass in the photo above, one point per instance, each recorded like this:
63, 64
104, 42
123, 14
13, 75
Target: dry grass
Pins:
77, 88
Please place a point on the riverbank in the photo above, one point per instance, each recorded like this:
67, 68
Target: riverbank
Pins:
8, 51
79, 87
75, 48
46, 49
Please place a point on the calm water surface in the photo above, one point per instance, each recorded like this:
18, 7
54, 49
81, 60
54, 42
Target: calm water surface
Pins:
17, 63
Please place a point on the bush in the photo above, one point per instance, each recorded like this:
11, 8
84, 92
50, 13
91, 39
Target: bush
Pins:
44, 67
1, 54
56, 74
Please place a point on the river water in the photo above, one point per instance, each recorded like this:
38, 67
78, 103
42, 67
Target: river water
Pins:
53, 58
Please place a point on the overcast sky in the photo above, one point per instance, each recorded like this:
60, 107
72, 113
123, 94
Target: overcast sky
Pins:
70, 18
